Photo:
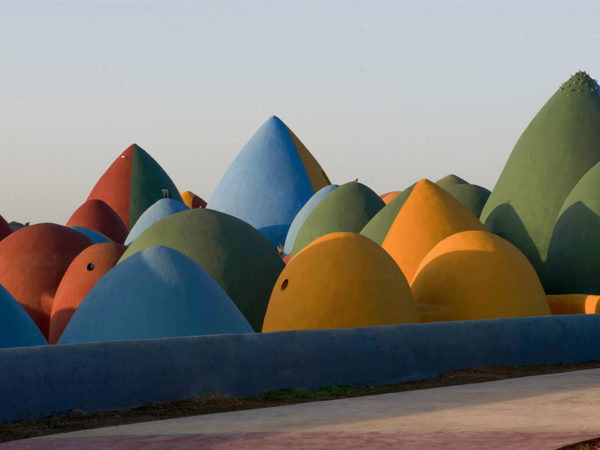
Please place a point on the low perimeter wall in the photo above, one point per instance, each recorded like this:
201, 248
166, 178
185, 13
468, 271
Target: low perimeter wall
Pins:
41, 381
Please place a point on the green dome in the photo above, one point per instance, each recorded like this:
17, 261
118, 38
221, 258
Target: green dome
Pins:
450, 180
558, 147
573, 264
376, 229
347, 208
236, 255
472, 196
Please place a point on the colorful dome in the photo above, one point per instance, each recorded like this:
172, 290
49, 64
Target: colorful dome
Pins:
377, 228
192, 200
81, 276
573, 263
98, 216
558, 147
272, 177
574, 304
303, 214
32, 263
4, 228
157, 293
477, 275
347, 208
132, 183
159, 210
387, 198
428, 215
16, 327
450, 180
472, 196
94, 236
236, 255
340, 280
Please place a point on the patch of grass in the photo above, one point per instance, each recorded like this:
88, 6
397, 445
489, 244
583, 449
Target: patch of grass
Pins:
337, 391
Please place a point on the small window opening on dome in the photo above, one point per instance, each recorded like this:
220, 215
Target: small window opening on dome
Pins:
124, 156
284, 284
90, 266
166, 193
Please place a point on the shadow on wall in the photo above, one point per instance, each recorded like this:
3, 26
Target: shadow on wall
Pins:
573, 259
506, 223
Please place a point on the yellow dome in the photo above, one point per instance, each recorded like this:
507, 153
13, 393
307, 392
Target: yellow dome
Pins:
574, 304
340, 280
428, 216
192, 200
477, 275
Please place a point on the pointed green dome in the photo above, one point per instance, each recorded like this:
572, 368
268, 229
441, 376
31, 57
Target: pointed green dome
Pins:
377, 228
450, 180
347, 208
558, 147
573, 264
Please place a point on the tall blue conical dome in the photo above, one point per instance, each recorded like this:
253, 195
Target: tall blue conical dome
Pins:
269, 181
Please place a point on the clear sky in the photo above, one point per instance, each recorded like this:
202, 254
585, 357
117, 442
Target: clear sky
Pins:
386, 91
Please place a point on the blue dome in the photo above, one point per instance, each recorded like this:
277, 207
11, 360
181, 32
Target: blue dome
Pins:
16, 327
159, 210
303, 214
156, 293
93, 235
272, 177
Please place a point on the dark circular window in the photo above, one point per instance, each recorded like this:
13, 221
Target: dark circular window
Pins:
90, 266
284, 284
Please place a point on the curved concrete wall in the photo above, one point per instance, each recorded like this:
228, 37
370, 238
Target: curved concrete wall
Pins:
40, 381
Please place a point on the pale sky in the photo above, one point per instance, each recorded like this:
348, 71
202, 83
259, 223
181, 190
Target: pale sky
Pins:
389, 92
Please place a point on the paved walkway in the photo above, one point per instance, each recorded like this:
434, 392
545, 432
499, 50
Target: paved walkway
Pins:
546, 411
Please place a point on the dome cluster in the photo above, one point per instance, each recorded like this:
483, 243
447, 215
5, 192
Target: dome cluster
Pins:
279, 247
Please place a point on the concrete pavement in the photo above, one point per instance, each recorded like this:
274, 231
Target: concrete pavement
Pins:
545, 411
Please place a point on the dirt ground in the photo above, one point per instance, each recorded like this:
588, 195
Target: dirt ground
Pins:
74, 421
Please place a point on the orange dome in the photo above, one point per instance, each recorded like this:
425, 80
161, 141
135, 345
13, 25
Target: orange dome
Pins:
340, 280
387, 198
574, 304
477, 275
428, 216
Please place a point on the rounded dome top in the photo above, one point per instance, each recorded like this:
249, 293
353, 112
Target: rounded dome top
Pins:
477, 275
98, 216
156, 293
236, 255
32, 263
303, 214
347, 208
81, 276
340, 280
159, 210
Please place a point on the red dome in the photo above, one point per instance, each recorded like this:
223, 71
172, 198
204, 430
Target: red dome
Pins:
81, 276
98, 216
32, 263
